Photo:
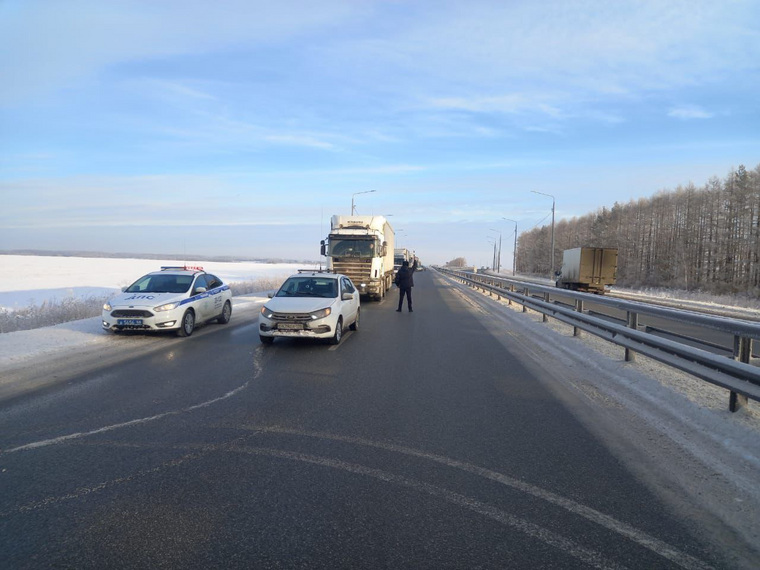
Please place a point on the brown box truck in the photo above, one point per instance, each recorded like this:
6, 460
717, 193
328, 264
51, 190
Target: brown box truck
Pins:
588, 269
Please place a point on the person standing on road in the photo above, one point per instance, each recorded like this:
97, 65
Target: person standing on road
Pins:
405, 282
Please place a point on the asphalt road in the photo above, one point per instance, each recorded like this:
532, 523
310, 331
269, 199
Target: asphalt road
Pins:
420, 441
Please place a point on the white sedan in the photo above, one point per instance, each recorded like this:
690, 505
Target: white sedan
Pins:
175, 298
311, 304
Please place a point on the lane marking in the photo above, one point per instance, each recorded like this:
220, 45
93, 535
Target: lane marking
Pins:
78, 435
202, 451
639, 537
84, 491
570, 547
590, 557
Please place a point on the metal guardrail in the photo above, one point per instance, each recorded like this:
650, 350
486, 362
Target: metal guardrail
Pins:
741, 379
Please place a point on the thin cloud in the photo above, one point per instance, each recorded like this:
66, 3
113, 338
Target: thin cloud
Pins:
175, 89
300, 140
689, 112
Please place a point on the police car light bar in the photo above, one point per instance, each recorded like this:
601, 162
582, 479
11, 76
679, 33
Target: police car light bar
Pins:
183, 268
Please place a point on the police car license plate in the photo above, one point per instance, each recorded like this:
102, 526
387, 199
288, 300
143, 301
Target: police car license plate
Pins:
290, 327
129, 322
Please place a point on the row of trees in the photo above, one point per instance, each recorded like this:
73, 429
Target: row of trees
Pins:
705, 238
457, 262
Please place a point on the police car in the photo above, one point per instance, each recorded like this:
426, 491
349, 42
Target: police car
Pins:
175, 298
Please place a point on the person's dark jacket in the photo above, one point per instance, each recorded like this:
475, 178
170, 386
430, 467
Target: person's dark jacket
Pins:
405, 276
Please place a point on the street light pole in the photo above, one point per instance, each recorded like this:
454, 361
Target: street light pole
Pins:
514, 251
492, 240
552, 255
356, 194
498, 255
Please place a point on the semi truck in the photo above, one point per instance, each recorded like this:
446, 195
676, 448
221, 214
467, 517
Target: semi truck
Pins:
361, 247
588, 269
400, 255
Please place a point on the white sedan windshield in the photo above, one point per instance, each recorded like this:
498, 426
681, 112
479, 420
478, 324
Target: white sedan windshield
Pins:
309, 287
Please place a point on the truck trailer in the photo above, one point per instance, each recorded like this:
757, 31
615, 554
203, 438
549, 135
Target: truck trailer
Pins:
588, 269
400, 255
361, 247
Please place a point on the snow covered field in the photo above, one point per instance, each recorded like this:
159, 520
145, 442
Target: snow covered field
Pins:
31, 279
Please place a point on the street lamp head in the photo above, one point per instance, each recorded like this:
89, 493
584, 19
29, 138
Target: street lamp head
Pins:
542, 193
356, 194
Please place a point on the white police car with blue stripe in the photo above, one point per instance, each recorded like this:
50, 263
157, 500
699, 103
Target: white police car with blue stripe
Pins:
175, 298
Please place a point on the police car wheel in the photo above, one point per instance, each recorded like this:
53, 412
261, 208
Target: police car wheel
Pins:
224, 318
187, 326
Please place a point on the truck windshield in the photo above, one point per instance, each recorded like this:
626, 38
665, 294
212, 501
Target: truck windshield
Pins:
352, 247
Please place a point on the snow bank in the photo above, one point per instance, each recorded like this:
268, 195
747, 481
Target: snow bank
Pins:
27, 280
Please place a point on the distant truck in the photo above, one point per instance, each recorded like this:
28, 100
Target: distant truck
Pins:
588, 269
400, 255
361, 247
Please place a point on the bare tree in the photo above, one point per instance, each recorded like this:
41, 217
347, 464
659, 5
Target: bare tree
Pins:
694, 238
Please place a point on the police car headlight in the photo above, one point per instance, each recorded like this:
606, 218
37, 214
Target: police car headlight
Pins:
107, 307
266, 312
167, 307
321, 314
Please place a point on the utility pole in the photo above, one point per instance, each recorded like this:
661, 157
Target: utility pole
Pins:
552, 252
514, 251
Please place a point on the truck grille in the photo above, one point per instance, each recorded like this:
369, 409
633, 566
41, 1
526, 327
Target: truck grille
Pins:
358, 270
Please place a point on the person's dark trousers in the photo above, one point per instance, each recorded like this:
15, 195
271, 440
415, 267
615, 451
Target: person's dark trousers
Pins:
404, 291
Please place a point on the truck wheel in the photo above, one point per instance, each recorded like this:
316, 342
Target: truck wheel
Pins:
226, 315
338, 332
187, 325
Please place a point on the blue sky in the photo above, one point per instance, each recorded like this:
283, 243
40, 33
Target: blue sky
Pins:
240, 127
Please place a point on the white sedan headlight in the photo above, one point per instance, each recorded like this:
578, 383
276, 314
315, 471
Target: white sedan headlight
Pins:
167, 307
107, 307
321, 314
266, 312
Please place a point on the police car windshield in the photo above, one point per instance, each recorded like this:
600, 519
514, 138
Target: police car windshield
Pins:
161, 284
308, 287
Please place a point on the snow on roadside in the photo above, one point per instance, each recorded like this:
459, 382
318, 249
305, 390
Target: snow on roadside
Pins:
19, 347
698, 298
690, 299
33, 279
701, 393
